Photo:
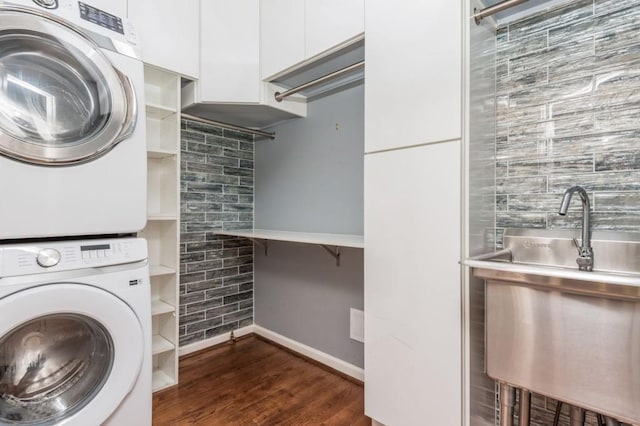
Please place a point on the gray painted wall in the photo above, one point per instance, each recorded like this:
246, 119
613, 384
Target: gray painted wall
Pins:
310, 178
301, 293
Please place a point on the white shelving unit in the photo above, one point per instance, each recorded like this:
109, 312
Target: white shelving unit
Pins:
330, 242
162, 91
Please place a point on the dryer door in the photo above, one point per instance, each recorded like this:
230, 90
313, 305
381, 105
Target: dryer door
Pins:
61, 100
68, 353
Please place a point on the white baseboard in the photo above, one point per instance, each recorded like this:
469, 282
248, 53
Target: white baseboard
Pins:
323, 358
204, 344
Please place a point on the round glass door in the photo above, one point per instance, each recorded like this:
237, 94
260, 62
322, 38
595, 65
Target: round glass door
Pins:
61, 100
69, 353
51, 366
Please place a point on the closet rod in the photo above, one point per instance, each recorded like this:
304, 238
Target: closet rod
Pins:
229, 126
491, 10
280, 96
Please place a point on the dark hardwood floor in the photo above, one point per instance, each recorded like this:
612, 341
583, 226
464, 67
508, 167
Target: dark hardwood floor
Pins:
255, 382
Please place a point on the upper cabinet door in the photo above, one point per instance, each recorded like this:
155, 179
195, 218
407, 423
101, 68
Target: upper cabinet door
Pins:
414, 72
281, 35
230, 50
331, 22
169, 31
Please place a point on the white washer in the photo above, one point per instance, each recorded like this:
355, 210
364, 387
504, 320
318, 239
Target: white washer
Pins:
75, 335
72, 122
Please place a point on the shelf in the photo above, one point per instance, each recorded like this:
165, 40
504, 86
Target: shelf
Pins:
159, 345
159, 112
158, 307
162, 217
326, 241
160, 152
157, 270
338, 240
161, 380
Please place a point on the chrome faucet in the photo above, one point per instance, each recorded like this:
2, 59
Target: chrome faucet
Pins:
585, 252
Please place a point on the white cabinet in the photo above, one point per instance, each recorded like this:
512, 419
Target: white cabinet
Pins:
414, 52
293, 31
413, 363
230, 88
169, 32
162, 91
331, 22
282, 39
230, 51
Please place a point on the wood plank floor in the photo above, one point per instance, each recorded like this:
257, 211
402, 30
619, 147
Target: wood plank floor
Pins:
255, 382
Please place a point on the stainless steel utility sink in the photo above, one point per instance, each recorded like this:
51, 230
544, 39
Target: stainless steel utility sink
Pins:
568, 334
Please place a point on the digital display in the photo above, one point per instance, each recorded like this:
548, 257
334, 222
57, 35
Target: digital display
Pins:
100, 17
96, 247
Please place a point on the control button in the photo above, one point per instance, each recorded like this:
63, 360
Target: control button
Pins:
47, 4
85, 255
48, 258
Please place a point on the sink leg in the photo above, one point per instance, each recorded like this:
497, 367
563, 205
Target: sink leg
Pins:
507, 404
577, 416
525, 408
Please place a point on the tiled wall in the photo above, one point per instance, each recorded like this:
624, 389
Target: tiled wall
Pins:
568, 113
216, 273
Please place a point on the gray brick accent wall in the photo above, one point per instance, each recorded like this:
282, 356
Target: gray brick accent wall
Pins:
216, 192
568, 113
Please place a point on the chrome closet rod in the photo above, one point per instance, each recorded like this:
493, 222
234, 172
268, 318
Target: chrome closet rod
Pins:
229, 126
491, 10
280, 96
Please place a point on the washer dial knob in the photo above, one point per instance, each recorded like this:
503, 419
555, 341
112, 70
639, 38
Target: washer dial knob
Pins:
48, 257
48, 4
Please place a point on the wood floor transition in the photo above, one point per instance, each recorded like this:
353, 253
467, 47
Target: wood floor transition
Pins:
256, 382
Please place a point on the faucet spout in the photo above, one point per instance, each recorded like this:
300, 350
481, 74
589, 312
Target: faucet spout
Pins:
585, 252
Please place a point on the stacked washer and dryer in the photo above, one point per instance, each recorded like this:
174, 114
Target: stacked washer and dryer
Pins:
75, 321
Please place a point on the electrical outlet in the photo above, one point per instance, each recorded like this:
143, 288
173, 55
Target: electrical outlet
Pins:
356, 325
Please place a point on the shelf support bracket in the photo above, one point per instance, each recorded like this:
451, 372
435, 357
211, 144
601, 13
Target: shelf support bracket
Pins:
334, 253
260, 243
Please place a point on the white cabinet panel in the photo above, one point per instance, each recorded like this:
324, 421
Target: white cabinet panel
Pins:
413, 360
330, 22
170, 33
281, 35
414, 72
230, 54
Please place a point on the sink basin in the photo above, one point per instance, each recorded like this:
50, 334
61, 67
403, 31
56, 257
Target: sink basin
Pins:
547, 258
568, 334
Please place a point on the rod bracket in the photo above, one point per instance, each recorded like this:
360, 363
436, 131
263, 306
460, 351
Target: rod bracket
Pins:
335, 253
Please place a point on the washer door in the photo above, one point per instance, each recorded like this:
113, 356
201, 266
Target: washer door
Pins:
68, 352
61, 100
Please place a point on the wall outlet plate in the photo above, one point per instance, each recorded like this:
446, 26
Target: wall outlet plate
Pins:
356, 325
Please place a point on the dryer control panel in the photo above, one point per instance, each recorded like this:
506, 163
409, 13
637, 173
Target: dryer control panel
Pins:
34, 258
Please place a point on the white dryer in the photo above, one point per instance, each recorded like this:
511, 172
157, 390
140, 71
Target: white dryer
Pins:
72, 122
75, 344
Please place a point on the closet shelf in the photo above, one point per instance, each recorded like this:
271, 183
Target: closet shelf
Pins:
330, 242
338, 240
157, 270
159, 344
159, 307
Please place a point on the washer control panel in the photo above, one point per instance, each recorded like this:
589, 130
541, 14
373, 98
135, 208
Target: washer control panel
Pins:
21, 259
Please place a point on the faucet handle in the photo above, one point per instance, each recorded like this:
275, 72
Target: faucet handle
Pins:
575, 243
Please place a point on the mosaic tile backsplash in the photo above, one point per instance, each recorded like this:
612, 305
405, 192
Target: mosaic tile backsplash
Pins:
568, 113
216, 192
